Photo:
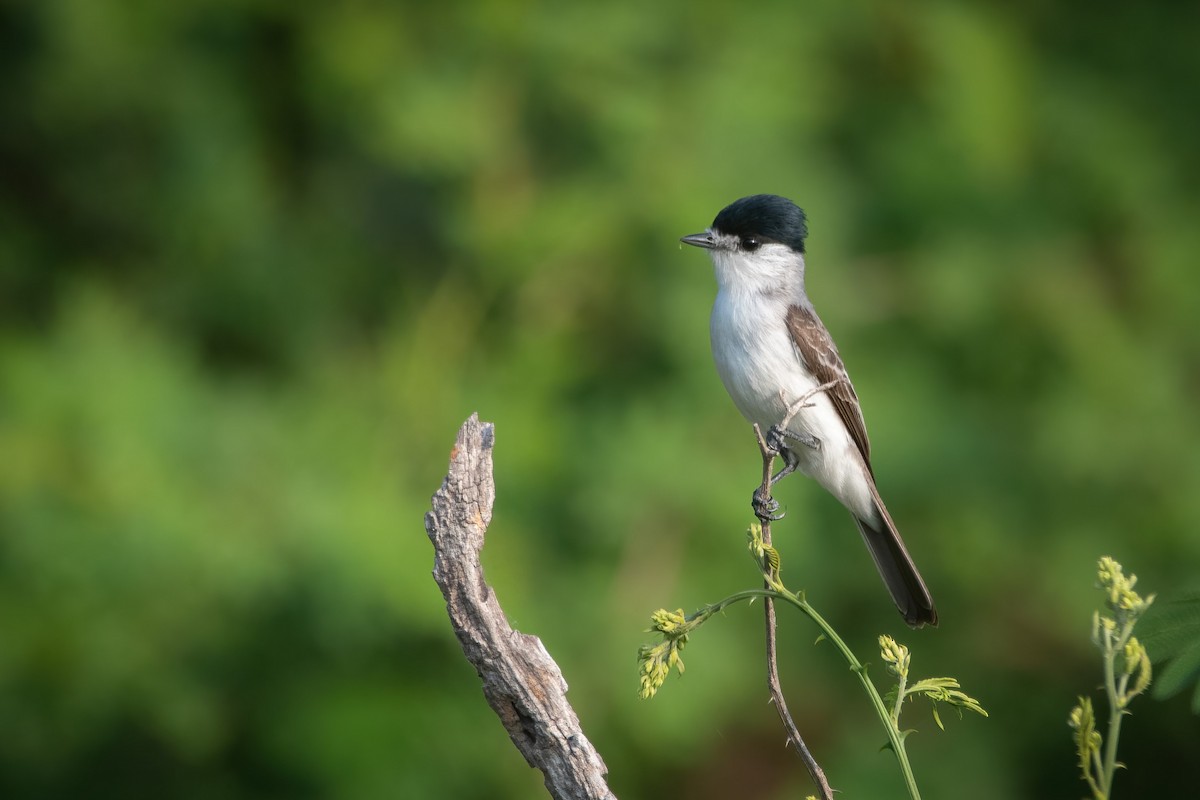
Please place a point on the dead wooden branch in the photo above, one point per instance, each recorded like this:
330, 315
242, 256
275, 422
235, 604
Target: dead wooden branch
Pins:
521, 682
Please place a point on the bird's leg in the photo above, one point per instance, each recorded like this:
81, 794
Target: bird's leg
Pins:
765, 507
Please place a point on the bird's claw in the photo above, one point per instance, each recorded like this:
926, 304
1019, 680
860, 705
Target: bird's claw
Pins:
766, 508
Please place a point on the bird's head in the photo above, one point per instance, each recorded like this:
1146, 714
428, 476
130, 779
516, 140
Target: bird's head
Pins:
756, 243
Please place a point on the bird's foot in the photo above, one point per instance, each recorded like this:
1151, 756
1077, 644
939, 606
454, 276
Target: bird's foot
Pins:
766, 508
777, 438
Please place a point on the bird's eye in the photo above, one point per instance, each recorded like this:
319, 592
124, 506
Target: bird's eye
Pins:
750, 244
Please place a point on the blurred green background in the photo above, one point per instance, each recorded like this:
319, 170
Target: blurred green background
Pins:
259, 260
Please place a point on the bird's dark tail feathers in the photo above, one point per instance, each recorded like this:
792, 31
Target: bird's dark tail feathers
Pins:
897, 569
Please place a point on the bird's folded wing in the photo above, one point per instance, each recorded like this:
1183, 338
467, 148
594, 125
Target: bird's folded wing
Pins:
820, 355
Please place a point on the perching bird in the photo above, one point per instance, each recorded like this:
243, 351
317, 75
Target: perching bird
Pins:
771, 349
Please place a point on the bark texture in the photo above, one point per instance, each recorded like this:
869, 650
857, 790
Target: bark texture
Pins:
521, 682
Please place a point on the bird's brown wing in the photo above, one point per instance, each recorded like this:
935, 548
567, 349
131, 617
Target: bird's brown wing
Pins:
820, 355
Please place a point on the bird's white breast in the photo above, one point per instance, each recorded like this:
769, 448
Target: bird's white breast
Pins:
763, 373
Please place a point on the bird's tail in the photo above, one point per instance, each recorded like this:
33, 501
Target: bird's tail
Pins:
897, 569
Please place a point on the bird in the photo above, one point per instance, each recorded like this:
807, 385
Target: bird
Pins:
771, 350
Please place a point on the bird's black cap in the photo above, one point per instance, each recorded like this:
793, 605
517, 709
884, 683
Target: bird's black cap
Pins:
765, 218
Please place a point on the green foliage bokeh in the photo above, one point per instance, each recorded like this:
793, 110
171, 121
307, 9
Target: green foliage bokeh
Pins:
258, 261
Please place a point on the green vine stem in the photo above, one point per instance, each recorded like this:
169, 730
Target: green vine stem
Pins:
656, 661
895, 735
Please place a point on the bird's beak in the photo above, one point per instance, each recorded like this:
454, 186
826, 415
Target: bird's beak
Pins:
704, 240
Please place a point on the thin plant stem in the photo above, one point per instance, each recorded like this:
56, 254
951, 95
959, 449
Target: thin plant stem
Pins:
1116, 709
773, 685
776, 590
903, 679
895, 738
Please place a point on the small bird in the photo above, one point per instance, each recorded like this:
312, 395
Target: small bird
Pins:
771, 350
